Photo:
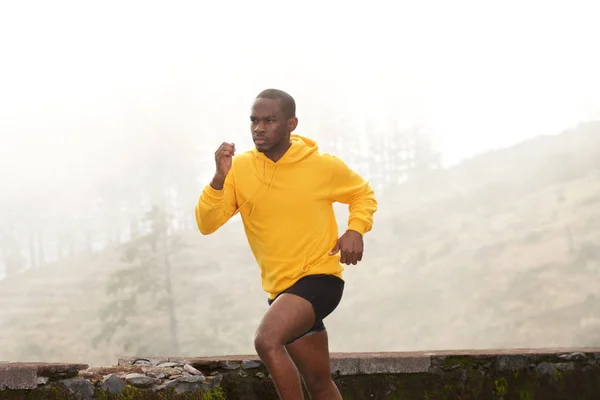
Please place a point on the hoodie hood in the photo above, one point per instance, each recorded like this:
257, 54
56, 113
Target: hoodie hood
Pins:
301, 148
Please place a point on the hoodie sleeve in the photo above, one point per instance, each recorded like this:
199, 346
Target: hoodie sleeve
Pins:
350, 188
215, 207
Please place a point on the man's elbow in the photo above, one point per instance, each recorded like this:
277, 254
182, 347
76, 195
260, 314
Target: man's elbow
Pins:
203, 226
205, 230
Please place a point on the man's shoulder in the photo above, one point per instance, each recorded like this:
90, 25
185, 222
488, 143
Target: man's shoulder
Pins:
326, 157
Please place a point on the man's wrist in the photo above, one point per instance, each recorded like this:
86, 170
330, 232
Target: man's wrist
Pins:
217, 182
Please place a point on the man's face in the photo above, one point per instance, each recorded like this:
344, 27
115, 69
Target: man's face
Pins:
269, 124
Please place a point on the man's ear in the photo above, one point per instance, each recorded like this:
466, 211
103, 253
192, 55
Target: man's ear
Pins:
292, 124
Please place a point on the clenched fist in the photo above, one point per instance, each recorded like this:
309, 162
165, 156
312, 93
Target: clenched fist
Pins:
351, 245
223, 158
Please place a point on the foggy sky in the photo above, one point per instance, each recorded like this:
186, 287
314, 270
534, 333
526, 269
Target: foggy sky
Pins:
76, 76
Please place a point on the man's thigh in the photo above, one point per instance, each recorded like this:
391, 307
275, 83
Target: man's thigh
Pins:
289, 317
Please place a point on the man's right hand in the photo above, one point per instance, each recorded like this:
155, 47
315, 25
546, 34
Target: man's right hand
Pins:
223, 158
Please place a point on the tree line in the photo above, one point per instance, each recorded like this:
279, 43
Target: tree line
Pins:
164, 174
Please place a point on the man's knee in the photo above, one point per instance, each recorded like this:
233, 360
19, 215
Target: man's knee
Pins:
264, 344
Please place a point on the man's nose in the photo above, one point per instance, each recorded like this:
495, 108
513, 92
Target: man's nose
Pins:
259, 128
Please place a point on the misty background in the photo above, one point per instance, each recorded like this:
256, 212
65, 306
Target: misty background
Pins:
478, 124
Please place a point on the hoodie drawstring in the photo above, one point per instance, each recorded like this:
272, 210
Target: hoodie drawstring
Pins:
258, 188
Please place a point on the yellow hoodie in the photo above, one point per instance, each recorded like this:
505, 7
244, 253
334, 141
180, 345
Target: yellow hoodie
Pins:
287, 210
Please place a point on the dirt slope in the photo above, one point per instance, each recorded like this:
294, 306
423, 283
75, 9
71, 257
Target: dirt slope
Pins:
501, 251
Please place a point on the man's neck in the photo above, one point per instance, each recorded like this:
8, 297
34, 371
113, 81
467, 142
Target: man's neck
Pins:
276, 154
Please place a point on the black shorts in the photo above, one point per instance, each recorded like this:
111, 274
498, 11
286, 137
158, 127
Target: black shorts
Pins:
323, 291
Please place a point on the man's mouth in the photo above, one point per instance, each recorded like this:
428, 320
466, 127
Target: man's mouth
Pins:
259, 141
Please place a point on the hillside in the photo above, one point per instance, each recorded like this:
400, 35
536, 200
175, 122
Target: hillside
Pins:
500, 251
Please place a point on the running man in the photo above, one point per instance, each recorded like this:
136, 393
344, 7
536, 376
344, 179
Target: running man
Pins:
284, 190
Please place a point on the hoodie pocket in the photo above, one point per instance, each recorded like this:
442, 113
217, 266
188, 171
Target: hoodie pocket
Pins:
277, 272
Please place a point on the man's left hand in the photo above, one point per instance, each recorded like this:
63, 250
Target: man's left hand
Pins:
351, 246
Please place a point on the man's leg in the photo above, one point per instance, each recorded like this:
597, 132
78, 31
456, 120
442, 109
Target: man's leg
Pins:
311, 355
289, 317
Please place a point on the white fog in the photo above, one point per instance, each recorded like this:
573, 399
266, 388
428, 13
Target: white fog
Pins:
488, 237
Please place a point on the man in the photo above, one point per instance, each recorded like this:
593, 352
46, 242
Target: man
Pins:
284, 189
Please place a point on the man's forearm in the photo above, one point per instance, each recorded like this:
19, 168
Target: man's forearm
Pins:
217, 182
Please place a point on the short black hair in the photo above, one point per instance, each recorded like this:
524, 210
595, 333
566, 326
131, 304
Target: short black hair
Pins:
287, 102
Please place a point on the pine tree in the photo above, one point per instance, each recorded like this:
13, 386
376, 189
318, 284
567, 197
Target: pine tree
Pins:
144, 283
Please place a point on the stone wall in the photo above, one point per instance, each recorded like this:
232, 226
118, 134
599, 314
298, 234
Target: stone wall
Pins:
523, 374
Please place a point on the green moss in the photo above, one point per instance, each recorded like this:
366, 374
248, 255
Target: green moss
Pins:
47, 393
214, 394
460, 378
424, 386
500, 386
465, 362
557, 376
515, 373
237, 387
100, 394
131, 393
526, 394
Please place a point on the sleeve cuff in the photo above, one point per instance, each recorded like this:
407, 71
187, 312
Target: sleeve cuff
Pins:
213, 194
358, 226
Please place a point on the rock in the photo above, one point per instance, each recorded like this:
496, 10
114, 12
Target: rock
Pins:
248, 364
142, 360
139, 380
191, 370
60, 371
510, 362
568, 366
164, 371
42, 380
112, 384
192, 379
18, 376
80, 388
170, 364
391, 390
260, 375
158, 375
546, 368
166, 384
184, 384
229, 364
216, 380
573, 356
185, 387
